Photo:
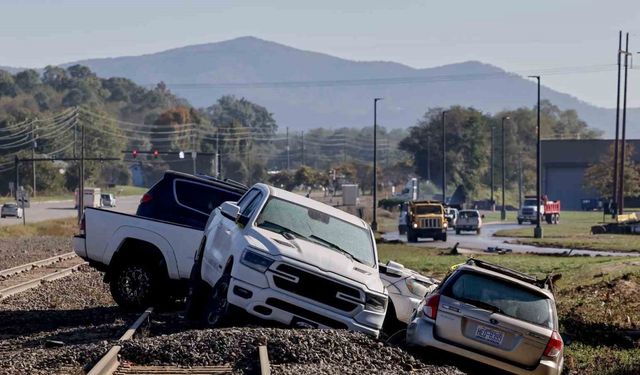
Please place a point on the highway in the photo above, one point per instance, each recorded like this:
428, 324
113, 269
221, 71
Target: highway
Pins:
40, 211
481, 242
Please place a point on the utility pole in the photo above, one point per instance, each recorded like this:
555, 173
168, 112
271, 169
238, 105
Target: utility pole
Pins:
34, 144
288, 153
374, 222
194, 153
537, 231
503, 210
81, 182
493, 201
302, 149
624, 127
218, 167
15, 188
444, 161
614, 194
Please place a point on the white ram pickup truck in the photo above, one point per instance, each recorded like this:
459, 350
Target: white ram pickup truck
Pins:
286, 258
145, 260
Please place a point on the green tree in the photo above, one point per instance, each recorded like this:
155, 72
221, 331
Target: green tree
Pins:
599, 176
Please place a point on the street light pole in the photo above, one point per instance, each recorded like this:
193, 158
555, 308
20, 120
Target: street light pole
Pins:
537, 231
374, 223
493, 201
614, 194
624, 128
444, 161
503, 211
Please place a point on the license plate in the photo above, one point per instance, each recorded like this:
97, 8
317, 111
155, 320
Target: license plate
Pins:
489, 335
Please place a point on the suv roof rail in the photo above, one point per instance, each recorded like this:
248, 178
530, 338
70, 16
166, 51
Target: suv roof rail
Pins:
226, 180
505, 271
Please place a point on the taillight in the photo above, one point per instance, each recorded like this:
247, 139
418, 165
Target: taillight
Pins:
146, 198
430, 308
554, 347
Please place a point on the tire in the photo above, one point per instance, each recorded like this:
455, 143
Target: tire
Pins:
457, 231
196, 293
2, 216
135, 286
411, 236
557, 218
519, 222
443, 237
478, 231
216, 307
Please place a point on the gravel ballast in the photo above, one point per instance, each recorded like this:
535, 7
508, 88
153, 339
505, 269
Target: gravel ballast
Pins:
20, 250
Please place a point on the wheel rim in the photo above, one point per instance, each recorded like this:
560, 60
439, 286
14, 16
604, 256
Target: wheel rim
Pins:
135, 283
218, 304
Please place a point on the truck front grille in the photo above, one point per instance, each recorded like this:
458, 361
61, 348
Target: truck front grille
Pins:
527, 211
430, 223
316, 288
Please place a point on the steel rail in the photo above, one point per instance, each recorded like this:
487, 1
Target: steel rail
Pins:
34, 283
38, 263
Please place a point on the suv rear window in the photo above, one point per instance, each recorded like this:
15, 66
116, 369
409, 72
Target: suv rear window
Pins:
503, 297
200, 197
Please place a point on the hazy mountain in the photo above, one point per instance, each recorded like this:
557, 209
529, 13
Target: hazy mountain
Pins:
324, 90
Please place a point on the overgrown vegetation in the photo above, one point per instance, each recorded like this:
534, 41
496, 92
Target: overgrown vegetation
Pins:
597, 301
59, 228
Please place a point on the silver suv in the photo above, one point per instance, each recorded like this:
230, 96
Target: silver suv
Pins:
493, 315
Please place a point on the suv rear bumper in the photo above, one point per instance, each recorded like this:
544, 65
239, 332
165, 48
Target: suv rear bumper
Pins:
420, 333
270, 304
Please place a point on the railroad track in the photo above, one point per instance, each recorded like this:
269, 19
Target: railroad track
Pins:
111, 364
31, 275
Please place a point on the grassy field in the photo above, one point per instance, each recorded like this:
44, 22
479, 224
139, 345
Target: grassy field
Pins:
60, 227
597, 301
574, 232
119, 191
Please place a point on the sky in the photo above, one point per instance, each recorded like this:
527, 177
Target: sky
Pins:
516, 35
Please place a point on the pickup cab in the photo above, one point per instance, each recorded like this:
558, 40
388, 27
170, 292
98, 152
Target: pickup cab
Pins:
147, 257
286, 258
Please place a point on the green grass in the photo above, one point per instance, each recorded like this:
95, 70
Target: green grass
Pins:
60, 227
119, 191
574, 232
597, 298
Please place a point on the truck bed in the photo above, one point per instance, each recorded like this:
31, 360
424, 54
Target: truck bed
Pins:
106, 231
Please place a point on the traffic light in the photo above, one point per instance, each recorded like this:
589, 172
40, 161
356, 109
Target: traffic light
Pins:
134, 153
155, 154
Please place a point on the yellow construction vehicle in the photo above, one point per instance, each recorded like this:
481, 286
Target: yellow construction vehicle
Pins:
426, 219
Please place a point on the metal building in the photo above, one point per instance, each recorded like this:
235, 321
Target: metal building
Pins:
564, 163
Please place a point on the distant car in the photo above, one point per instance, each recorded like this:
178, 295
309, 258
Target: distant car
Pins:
469, 220
452, 217
493, 315
108, 200
402, 219
406, 290
11, 209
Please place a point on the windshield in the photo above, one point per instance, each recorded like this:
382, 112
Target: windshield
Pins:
503, 297
468, 214
428, 209
282, 217
530, 202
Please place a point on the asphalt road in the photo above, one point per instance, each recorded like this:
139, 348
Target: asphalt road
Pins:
485, 240
40, 211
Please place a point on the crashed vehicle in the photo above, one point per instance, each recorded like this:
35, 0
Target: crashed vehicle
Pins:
286, 258
493, 315
406, 290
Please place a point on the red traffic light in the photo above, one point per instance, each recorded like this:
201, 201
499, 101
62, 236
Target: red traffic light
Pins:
134, 153
155, 154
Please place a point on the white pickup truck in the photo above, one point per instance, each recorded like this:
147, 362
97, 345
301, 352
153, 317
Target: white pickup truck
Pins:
286, 258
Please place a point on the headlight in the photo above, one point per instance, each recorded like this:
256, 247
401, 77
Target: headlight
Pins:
445, 224
415, 225
416, 287
256, 261
376, 303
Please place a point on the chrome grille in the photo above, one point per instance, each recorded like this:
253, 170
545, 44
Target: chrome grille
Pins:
430, 223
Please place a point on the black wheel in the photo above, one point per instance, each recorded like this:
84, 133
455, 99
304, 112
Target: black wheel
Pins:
519, 222
478, 231
217, 306
135, 286
411, 236
457, 231
557, 218
196, 293
443, 237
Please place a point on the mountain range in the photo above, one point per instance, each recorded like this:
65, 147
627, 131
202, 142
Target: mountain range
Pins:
305, 89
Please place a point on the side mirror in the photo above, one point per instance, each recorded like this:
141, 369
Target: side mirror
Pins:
230, 210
